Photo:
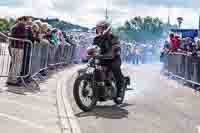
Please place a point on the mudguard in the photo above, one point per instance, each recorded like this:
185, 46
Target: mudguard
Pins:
82, 72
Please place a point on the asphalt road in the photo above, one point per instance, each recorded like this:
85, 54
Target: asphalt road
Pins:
25, 111
155, 105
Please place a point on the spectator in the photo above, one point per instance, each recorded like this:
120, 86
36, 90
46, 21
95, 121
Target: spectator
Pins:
27, 49
39, 23
174, 41
129, 53
44, 29
182, 46
47, 34
65, 36
44, 35
133, 55
16, 51
166, 46
189, 46
137, 55
36, 31
44, 43
198, 45
165, 51
53, 37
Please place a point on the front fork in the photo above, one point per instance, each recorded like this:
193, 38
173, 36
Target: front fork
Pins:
100, 83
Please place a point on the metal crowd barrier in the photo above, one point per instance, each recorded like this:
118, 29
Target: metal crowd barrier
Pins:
183, 66
21, 59
12, 57
46, 56
4, 59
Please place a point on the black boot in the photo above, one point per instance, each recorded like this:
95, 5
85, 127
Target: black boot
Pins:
120, 88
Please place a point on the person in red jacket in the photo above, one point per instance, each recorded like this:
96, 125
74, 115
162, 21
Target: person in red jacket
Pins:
16, 51
174, 41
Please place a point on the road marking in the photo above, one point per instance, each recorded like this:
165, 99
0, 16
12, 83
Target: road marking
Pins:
72, 119
64, 122
27, 122
68, 121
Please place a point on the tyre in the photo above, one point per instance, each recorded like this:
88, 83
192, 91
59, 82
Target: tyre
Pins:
84, 92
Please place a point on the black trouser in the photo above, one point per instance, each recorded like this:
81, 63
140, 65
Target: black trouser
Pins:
115, 67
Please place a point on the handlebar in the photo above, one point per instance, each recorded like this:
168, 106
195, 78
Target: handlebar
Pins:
104, 57
100, 56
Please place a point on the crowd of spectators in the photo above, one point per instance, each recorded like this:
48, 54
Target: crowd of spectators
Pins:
185, 45
83, 40
177, 44
37, 32
139, 53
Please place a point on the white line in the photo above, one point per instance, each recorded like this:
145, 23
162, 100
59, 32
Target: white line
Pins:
68, 122
64, 123
72, 119
27, 122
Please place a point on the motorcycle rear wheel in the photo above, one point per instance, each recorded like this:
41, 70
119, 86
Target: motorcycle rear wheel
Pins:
77, 90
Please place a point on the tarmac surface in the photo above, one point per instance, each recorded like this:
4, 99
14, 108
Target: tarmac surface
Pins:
154, 104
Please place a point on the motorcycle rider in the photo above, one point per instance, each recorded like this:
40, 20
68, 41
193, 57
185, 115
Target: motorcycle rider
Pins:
109, 43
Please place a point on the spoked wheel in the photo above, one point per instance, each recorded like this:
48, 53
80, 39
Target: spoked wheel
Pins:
84, 94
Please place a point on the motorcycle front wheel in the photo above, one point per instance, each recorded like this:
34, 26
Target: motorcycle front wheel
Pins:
84, 93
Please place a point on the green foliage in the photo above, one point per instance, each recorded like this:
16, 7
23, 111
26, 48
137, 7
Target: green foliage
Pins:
4, 25
141, 29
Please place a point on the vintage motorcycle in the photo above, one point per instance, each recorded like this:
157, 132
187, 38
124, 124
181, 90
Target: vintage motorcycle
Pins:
96, 83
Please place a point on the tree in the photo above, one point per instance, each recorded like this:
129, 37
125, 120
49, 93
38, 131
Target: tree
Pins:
4, 25
180, 21
148, 23
139, 23
141, 29
127, 25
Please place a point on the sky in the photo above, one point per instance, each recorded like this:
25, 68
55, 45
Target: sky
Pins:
89, 12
